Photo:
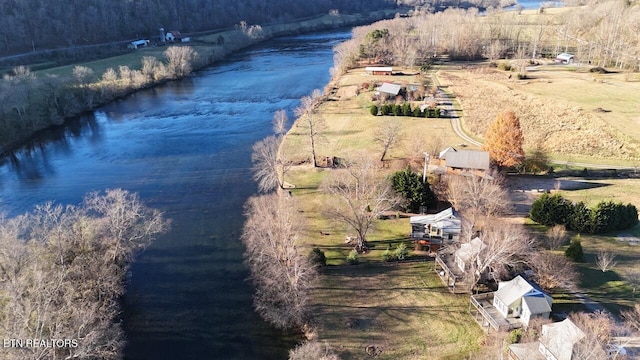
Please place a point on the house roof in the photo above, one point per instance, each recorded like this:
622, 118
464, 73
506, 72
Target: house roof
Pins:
468, 250
447, 214
559, 338
526, 351
389, 88
537, 304
564, 56
175, 33
379, 68
465, 159
510, 291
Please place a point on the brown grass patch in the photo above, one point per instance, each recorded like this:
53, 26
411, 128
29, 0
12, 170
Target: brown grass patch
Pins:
561, 125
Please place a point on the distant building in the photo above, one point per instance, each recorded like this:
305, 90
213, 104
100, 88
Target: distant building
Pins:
565, 58
379, 70
445, 225
176, 36
138, 44
390, 89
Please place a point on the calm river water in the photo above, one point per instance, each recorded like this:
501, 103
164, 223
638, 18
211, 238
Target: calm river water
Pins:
185, 148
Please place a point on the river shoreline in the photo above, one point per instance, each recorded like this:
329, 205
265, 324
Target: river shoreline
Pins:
218, 53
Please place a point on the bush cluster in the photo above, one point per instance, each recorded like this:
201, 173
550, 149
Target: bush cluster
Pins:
317, 257
352, 258
404, 110
410, 186
604, 217
399, 254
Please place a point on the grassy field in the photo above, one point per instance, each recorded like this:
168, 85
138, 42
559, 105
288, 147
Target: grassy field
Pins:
401, 309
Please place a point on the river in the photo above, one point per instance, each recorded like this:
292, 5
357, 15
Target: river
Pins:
185, 148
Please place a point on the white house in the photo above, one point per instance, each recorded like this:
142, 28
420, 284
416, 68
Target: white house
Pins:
521, 299
174, 36
468, 253
444, 225
565, 58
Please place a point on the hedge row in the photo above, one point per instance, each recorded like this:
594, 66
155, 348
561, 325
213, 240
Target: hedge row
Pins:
606, 216
404, 110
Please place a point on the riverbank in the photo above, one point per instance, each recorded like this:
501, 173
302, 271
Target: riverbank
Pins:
35, 102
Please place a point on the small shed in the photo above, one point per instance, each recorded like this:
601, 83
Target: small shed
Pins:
379, 70
468, 252
565, 58
388, 88
465, 159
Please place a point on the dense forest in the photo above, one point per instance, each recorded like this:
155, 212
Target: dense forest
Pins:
43, 24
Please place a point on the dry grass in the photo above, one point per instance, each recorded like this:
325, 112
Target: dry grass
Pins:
555, 109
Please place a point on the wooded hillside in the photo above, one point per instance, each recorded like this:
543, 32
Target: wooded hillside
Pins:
46, 24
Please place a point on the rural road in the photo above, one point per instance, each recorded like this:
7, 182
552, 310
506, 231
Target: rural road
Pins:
446, 101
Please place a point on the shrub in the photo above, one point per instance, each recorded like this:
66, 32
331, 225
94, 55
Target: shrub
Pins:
352, 258
522, 76
374, 110
551, 210
574, 251
385, 109
581, 218
388, 255
406, 109
417, 112
397, 110
436, 113
317, 257
401, 252
504, 65
514, 336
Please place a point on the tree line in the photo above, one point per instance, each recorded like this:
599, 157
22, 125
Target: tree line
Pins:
600, 34
63, 270
47, 24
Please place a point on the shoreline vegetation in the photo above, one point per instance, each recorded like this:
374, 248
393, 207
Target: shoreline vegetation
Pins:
34, 101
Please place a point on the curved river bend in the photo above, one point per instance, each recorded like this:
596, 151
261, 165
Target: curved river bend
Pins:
185, 148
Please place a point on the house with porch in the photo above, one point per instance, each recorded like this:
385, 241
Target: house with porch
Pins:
443, 226
379, 70
513, 305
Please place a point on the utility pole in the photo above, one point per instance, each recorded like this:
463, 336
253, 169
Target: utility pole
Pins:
424, 172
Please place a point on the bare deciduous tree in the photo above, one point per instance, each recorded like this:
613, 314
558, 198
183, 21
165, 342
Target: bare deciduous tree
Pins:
387, 135
599, 328
269, 166
476, 196
282, 274
180, 60
313, 123
633, 278
505, 245
58, 277
312, 350
632, 318
280, 122
556, 236
605, 261
359, 197
553, 271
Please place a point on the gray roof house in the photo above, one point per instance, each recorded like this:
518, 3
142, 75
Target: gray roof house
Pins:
514, 305
388, 88
444, 225
465, 159
565, 58
522, 299
557, 342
